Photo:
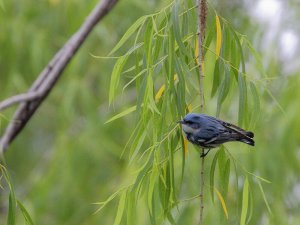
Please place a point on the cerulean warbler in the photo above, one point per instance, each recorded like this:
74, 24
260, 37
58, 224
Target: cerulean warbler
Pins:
209, 132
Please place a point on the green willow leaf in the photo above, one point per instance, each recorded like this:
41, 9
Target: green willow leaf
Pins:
176, 29
212, 174
235, 59
115, 77
162, 191
211, 33
222, 162
256, 103
250, 212
137, 145
258, 59
240, 48
185, 25
223, 90
121, 208
183, 158
142, 92
264, 197
154, 25
172, 169
180, 88
242, 99
168, 179
226, 48
26, 215
11, 218
211, 67
129, 33
12, 202
152, 181
131, 207
245, 202
226, 177
171, 218
158, 47
171, 61
121, 114
148, 40
216, 81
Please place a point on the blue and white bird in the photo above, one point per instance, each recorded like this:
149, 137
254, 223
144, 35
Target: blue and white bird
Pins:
209, 132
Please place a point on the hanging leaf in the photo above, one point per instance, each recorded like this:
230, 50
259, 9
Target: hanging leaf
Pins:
223, 90
176, 29
26, 215
11, 218
219, 37
240, 49
160, 92
264, 197
212, 174
219, 69
256, 103
197, 51
222, 201
121, 114
245, 202
115, 77
226, 177
129, 33
242, 99
152, 181
131, 207
121, 207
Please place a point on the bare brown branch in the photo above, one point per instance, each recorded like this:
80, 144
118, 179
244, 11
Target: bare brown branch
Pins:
25, 97
49, 76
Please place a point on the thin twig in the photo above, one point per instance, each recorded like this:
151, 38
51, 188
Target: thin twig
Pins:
202, 12
25, 97
201, 190
52, 72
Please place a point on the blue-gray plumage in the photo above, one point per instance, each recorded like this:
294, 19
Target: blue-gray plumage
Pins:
209, 132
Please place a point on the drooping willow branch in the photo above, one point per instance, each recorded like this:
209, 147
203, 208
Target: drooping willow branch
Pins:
47, 79
202, 13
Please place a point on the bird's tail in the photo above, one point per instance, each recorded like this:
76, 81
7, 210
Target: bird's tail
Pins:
249, 134
248, 141
248, 138
245, 137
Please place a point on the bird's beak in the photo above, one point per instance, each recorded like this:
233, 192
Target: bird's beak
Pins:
180, 121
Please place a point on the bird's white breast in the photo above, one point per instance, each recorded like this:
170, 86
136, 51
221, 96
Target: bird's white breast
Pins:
188, 129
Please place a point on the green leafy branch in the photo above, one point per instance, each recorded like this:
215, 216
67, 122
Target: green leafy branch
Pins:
162, 67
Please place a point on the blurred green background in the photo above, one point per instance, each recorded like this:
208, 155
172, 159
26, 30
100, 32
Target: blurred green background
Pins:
67, 158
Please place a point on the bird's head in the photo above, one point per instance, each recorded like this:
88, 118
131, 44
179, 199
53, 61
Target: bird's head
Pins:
191, 123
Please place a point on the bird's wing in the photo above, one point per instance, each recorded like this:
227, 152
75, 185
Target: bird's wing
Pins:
246, 134
210, 133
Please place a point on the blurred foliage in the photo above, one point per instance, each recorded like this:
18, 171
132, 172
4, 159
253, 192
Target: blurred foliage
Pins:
68, 151
67, 157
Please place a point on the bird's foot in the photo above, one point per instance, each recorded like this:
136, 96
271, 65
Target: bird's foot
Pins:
203, 154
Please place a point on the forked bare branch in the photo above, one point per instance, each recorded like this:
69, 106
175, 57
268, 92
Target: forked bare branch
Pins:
49, 76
